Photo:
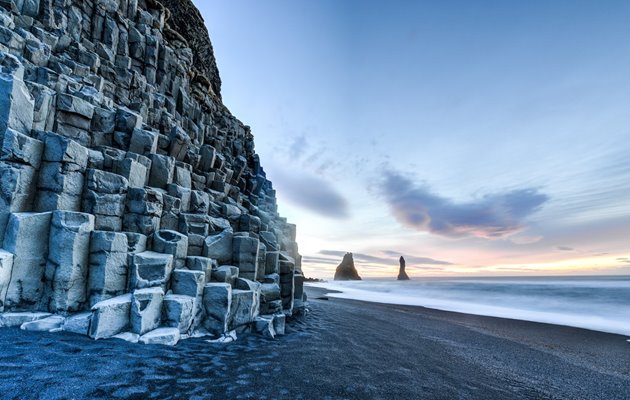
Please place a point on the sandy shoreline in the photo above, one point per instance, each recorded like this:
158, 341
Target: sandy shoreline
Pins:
344, 349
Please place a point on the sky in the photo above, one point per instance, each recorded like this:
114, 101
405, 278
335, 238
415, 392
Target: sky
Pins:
475, 138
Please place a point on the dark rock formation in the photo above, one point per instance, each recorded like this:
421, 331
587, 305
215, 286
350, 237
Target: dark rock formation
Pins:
402, 275
185, 19
346, 270
132, 202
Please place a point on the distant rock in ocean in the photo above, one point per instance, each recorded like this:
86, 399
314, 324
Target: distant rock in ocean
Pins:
346, 270
402, 275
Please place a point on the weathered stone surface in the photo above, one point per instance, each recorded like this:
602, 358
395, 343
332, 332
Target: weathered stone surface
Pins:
163, 336
68, 261
162, 170
263, 324
54, 323
106, 182
78, 323
402, 274
16, 103
189, 283
110, 317
217, 302
203, 264
179, 311
128, 337
6, 267
29, 263
107, 266
279, 323
150, 269
19, 148
14, 319
244, 308
143, 142
16, 192
346, 271
171, 242
225, 273
245, 256
146, 309
219, 246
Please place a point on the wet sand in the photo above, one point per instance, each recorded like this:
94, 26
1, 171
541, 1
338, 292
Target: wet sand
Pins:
343, 349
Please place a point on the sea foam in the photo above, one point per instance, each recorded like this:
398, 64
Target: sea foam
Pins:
596, 303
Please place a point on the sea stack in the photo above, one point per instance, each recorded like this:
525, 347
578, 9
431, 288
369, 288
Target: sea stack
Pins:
402, 275
346, 270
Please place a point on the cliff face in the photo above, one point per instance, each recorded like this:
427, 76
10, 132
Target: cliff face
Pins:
128, 189
185, 19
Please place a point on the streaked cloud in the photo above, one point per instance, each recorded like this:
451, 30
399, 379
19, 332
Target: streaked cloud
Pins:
565, 248
311, 193
492, 216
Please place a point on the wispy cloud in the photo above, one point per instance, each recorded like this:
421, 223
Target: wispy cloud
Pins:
312, 193
491, 216
565, 248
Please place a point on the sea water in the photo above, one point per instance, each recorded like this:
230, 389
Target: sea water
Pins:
600, 303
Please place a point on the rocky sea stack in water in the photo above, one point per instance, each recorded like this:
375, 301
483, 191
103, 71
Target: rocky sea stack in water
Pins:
402, 274
132, 202
346, 270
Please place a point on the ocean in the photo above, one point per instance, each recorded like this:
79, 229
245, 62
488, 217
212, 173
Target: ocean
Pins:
600, 303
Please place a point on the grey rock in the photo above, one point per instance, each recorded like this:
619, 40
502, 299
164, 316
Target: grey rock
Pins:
279, 323
189, 283
106, 182
29, 263
263, 324
6, 267
203, 264
108, 266
245, 254
220, 247
162, 170
217, 301
178, 311
225, 273
146, 309
15, 319
150, 269
143, 142
245, 307
110, 317
135, 172
171, 242
163, 336
54, 323
75, 105
19, 148
68, 261
136, 242
16, 103
78, 323
128, 337
59, 149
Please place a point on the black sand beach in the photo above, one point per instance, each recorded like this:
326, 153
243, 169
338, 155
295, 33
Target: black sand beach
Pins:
343, 350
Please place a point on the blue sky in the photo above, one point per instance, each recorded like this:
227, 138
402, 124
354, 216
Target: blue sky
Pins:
484, 138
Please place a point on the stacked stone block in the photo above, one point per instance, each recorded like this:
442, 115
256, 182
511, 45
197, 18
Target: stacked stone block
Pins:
132, 202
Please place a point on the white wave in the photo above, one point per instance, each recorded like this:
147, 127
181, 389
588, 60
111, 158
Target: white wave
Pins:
595, 304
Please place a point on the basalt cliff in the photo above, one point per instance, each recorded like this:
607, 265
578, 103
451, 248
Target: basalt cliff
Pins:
132, 202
